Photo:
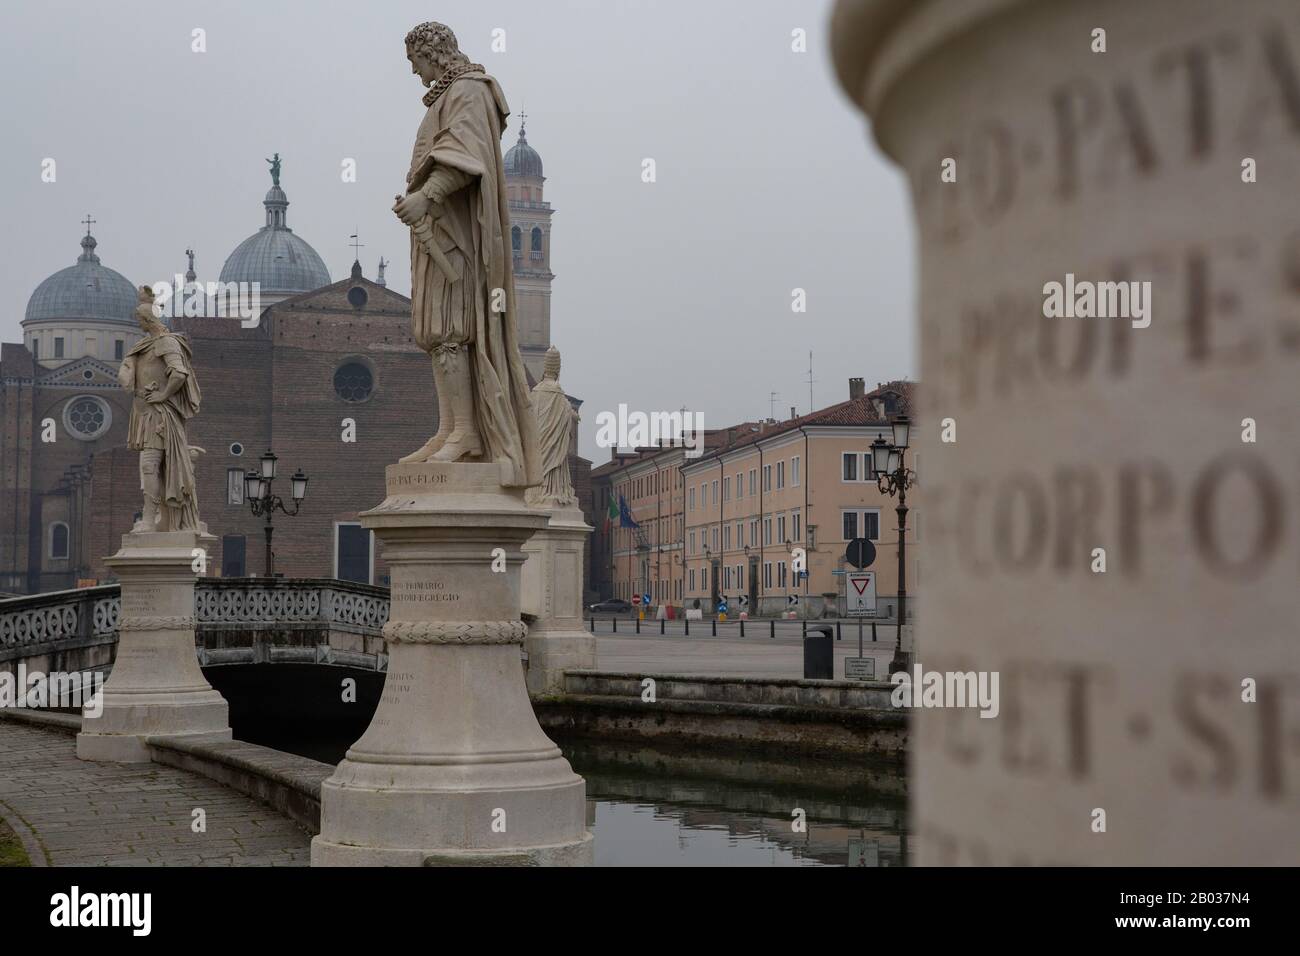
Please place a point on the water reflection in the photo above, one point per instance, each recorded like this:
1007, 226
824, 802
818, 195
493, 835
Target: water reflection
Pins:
651, 807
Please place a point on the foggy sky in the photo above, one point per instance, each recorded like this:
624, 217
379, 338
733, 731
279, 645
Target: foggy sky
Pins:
670, 294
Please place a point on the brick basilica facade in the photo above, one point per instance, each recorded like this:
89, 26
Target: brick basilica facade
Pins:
329, 379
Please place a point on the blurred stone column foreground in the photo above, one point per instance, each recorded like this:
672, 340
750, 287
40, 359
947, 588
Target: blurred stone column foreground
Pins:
1148, 711
454, 768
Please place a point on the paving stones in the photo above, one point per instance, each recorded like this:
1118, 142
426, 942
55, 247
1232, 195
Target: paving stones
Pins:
105, 814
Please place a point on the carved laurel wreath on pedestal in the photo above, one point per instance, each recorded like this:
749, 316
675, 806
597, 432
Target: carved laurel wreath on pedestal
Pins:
455, 632
155, 623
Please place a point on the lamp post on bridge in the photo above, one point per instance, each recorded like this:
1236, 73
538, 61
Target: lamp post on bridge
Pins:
264, 502
894, 478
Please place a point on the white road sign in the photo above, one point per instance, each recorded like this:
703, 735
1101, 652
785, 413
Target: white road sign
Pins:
860, 587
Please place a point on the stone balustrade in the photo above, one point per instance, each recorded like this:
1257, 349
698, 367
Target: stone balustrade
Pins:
237, 620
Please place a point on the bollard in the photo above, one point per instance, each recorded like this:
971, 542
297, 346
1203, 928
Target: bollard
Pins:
772, 623
742, 627
873, 632
688, 627
714, 622
805, 628
839, 634
614, 624
638, 624
661, 627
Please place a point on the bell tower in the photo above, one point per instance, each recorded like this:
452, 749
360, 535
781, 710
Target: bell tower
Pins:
530, 250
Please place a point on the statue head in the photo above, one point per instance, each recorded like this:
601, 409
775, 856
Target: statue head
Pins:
551, 363
147, 312
432, 49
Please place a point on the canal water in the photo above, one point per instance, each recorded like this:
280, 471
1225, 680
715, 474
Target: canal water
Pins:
655, 807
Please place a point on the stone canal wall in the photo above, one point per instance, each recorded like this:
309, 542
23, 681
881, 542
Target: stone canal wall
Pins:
851, 719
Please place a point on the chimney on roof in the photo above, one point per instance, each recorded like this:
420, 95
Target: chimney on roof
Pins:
857, 388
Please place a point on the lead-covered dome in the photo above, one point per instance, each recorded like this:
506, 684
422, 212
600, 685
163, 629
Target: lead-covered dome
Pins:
275, 258
85, 290
522, 160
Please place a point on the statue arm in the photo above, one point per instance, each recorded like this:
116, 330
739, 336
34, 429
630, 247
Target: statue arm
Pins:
443, 181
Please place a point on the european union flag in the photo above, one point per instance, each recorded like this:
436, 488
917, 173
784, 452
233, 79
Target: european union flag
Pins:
625, 519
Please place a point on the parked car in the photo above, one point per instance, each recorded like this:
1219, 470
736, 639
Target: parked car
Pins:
613, 605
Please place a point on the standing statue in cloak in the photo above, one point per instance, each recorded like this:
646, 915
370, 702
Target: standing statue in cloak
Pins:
462, 286
159, 372
556, 417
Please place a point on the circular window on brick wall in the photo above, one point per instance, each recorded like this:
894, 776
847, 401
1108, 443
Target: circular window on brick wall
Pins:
353, 382
87, 417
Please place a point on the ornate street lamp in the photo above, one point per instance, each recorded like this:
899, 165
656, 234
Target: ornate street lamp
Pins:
893, 478
264, 502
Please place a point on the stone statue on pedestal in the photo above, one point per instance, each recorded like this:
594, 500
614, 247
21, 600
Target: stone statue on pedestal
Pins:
159, 372
462, 285
556, 418
156, 688
454, 769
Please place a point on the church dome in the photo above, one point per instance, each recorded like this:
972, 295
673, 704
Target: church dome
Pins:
85, 290
522, 159
274, 257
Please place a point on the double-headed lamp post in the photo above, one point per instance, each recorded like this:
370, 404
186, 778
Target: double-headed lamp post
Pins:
257, 490
893, 478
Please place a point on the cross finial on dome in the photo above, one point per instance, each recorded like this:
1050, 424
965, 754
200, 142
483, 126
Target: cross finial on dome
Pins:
88, 242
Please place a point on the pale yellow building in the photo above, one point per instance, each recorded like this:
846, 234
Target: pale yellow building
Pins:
764, 495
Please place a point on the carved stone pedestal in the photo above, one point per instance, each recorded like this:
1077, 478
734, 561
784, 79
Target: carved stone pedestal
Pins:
454, 768
557, 640
155, 688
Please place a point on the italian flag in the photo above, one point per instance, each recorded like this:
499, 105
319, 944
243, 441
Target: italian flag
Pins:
611, 514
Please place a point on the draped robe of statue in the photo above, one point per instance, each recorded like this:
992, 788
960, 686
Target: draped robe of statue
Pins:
555, 417
461, 130
160, 426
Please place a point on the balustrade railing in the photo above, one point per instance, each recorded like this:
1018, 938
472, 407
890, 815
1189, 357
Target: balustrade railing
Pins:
32, 624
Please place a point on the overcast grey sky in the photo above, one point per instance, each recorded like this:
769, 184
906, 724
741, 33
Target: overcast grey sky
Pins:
666, 294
